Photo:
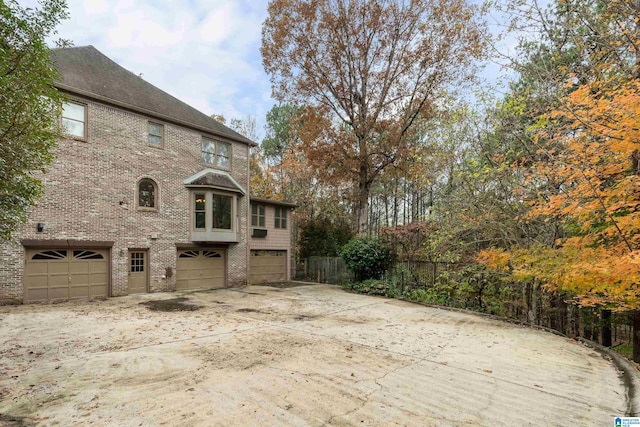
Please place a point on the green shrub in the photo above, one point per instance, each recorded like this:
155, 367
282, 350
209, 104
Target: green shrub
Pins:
322, 237
367, 258
373, 287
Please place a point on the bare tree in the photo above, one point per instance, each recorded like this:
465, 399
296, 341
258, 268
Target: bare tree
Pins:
371, 72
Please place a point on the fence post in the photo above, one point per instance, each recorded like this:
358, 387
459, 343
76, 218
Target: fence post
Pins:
435, 272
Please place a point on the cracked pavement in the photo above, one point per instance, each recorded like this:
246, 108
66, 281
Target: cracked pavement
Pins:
308, 355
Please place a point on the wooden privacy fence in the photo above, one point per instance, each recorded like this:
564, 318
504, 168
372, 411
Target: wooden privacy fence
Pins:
326, 270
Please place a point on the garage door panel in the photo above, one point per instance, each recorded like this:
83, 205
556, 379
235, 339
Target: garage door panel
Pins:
213, 273
200, 269
57, 267
98, 291
38, 294
78, 291
267, 266
56, 280
78, 267
194, 272
79, 279
39, 268
39, 280
33, 282
97, 267
57, 293
58, 274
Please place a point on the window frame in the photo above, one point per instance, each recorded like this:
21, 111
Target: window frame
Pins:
156, 195
280, 218
209, 213
214, 214
137, 261
195, 210
161, 135
84, 122
216, 143
258, 218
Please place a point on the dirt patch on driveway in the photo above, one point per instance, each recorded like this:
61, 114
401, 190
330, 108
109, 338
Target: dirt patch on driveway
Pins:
172, 304
309, 355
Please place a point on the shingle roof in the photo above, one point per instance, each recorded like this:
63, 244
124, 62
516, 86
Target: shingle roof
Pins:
214, 179
273, 202
86, 71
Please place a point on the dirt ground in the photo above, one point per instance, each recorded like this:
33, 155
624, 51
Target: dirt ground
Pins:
309, 355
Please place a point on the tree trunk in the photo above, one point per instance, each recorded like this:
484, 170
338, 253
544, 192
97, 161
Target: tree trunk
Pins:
536, 302
386, 208
395, 202
572, 321
527, 302
636, 336
364, 189
605, 330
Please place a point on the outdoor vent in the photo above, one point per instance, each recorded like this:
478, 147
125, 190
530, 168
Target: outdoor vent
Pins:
258, 232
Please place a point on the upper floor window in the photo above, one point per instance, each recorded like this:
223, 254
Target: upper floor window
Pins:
147, 194
281, 217
216, 153
74, 119
257, 215
156, 135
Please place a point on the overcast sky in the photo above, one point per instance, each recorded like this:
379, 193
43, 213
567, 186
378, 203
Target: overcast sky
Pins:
204, 52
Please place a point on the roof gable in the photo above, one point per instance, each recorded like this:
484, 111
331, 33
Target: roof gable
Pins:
86, 71
212, 178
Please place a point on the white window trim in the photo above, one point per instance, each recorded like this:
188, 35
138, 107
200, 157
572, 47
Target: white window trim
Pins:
149, 134
85, 123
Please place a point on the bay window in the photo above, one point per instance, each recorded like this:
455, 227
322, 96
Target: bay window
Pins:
213, 216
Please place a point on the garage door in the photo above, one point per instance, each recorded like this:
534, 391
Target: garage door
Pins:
267, 266
200, 269
61, 274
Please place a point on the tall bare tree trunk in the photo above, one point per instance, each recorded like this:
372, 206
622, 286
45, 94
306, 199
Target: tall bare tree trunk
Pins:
395, 202
605, 327
386, 208
636, 336
364, 190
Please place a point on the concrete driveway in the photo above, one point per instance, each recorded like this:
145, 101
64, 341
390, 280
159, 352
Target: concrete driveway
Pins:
309, 355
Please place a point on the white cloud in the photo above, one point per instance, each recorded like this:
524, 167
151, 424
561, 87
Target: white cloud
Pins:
218, 25
205, 53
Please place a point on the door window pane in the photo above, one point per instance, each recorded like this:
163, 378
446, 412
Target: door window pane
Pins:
137, 262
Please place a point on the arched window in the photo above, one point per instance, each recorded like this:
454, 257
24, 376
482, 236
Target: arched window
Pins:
147, 194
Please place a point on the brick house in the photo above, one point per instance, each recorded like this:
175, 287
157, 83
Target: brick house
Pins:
146, 194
